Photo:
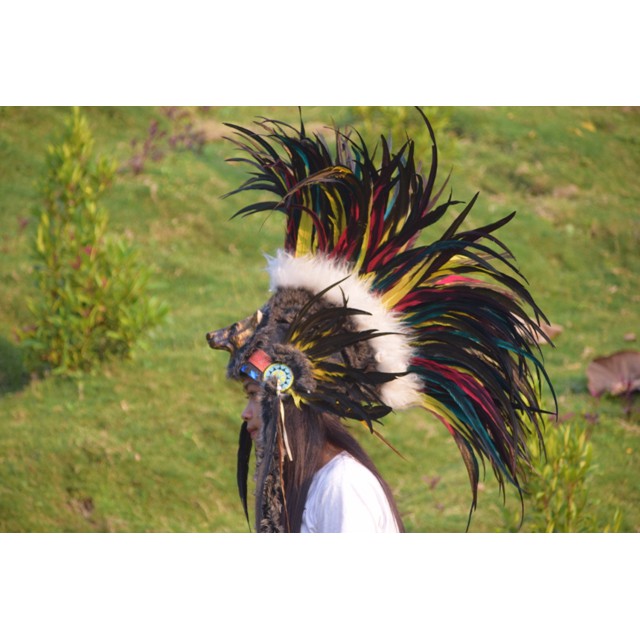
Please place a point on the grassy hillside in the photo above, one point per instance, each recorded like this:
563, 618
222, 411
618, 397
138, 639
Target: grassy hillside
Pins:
149, 444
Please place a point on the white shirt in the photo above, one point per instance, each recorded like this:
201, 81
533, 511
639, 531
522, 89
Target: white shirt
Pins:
345, 497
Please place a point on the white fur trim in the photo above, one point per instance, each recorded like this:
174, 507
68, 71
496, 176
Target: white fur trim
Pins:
392, 352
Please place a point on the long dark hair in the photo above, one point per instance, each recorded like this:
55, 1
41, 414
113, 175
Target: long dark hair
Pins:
308, 431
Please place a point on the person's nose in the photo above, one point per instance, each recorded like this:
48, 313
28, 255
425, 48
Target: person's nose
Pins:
247, 414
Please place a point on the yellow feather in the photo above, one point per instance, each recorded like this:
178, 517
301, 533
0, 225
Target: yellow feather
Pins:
305, 229
407, 283
340, 219
365, 240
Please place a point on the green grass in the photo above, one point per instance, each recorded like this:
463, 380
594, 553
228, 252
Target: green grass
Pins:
149, 444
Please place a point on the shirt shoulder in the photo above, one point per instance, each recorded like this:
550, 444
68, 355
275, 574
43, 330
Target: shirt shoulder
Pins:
345, 497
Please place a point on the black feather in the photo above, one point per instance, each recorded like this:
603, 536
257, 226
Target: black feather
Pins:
244, 454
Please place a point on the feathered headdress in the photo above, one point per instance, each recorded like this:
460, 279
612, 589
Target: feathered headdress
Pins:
364, 319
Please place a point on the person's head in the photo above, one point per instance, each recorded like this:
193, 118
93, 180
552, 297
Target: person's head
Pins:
300, 357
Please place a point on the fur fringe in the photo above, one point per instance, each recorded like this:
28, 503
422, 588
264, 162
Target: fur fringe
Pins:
393, 351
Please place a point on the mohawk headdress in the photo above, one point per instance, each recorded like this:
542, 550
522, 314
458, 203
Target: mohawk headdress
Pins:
364, 320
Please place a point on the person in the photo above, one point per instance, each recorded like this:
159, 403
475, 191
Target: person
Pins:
365, 318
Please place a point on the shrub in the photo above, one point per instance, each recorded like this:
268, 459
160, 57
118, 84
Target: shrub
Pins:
557, 490
91, 301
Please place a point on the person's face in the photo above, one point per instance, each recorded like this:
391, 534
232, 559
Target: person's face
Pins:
252, 413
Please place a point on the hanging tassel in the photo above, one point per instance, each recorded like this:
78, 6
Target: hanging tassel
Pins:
282, 424
282, 440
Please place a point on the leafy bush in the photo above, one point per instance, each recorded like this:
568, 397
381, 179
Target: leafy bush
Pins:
557, 490
91, 301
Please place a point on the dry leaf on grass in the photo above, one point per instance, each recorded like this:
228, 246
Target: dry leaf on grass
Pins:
617, 374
